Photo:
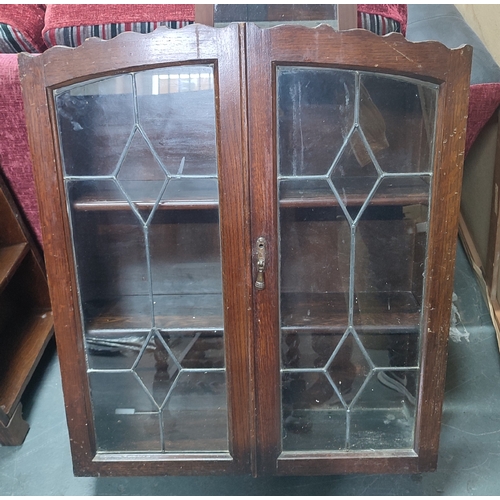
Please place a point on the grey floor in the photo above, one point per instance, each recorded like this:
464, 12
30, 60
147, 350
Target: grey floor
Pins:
469, 457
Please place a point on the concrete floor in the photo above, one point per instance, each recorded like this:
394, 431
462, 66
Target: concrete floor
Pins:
469, 458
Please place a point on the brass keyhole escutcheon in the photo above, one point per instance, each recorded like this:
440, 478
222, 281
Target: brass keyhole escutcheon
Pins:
260, 282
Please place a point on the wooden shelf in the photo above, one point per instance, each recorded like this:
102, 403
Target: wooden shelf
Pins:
26, 323
193, 311
201, 194
186, 194
10, 258
396, 312
317, 193
328, 312
27, 339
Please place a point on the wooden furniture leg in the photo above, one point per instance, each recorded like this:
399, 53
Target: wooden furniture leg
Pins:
13, 429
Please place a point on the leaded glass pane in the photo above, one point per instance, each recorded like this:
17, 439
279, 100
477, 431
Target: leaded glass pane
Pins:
354, 183
384, 414
95, 122
176, 109
385, 104
195, 414
140, 164
313, 414
125, 415
308, 98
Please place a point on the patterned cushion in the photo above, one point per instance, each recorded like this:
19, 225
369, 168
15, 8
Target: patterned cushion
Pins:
378, 24
383, 18
21, 28
484, 100
15, 156
70, 25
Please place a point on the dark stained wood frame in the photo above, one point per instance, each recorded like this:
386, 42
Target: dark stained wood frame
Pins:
60, 67
391, 54
492, 258
245, 57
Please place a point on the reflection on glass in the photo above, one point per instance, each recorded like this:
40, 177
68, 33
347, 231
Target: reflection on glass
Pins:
268, 15
383, 415
310, 133
195, 417
95, 121
408, 148
140, 164
354, 174
125, 416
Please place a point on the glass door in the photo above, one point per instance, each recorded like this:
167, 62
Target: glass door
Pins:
140, 167
346, 172
354, 155
148, 247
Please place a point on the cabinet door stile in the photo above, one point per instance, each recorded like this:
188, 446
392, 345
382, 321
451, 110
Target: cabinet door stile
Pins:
59, 267
236, 246
264, 218
442, 251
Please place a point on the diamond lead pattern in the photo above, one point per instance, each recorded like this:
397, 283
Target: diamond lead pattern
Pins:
381, 159
349, 367
354, 174
138, 144
141, 176
156, 368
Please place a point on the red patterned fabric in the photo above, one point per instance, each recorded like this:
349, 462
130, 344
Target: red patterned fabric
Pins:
73, 36
70, 25
59, 16
484, 99
398, 12
26, 22
15, 159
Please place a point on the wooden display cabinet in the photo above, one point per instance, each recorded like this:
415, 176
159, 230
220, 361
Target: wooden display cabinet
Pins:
26, 323
250, 237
